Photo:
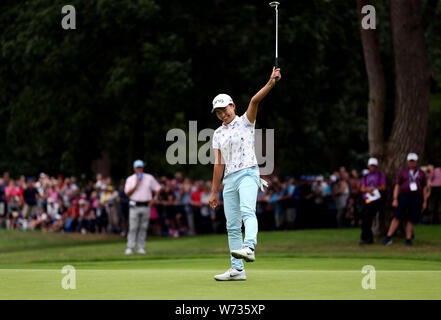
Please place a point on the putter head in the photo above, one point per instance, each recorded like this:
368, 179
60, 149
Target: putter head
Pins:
274, 4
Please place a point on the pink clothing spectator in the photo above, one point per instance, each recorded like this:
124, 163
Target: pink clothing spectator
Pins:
436, 177
95, 202
53, 194
12, 192
153, 213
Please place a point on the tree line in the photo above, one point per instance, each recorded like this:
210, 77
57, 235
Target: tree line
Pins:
132, 70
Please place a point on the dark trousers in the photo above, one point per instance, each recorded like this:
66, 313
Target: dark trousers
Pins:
368, 212
435, 198
409, 207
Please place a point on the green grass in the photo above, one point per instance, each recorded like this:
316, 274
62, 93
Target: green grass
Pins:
307, 264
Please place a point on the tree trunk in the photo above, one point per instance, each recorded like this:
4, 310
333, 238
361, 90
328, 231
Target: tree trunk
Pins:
377, 88
412, 80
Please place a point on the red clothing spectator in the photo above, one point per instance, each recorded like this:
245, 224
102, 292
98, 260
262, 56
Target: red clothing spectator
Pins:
406, 177
74, 211
410, 197
196, 196
12, 191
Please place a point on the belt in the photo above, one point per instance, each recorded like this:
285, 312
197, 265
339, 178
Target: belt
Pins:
142, 204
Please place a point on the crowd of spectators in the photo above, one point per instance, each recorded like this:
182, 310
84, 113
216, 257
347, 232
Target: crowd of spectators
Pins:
60, 204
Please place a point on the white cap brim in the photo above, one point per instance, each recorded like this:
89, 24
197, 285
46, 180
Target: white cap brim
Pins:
212, 110
221, 101
412, 156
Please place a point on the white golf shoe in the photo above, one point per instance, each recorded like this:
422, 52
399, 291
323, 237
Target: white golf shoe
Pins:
231, 275
140, 251
244, 253
128, 251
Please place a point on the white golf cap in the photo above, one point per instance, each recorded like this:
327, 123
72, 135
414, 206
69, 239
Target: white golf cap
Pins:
373, 162
412, 156
221, 101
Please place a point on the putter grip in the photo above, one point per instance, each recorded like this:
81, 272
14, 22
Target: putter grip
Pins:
277, 66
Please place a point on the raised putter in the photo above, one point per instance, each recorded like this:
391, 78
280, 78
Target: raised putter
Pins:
275, 5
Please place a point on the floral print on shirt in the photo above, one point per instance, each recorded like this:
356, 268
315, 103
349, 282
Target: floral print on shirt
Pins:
236, 143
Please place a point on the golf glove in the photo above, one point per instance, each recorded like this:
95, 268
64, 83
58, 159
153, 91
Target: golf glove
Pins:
263, 184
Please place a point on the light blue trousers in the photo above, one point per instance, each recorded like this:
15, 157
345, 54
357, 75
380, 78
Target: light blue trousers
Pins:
240, 195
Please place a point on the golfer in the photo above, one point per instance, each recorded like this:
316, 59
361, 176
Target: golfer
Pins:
139, 189
233, 146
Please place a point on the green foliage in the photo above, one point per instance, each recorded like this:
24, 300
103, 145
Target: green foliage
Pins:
132, 70
433, 142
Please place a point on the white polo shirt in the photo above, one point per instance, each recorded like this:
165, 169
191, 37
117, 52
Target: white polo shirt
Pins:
144, 191
236, 143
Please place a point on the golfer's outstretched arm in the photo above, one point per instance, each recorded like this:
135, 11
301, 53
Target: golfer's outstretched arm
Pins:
254, 103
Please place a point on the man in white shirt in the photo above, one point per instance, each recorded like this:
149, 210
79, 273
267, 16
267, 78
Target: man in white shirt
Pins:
139, 188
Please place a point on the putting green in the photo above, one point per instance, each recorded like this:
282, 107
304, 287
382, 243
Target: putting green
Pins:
308, 264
